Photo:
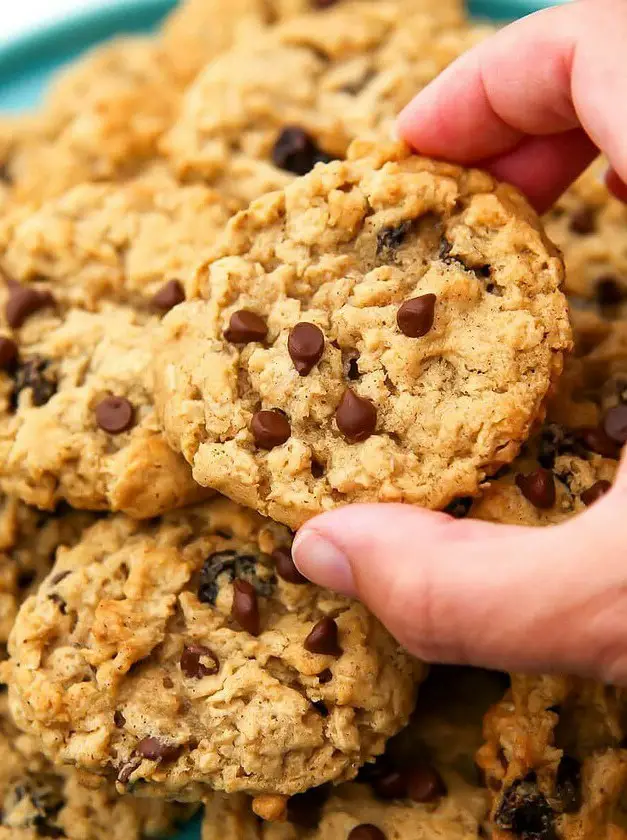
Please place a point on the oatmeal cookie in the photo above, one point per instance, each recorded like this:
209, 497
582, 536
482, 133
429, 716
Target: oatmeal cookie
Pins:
187, 653
38, 800
589, 224
273, 106
384, 329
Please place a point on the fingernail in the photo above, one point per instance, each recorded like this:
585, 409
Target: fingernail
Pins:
322, 562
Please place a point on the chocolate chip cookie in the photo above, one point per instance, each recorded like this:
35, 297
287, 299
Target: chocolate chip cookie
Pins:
276, 104
338, 350
187, 653
88, 277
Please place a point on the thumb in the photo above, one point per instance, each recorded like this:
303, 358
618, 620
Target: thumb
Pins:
467, 591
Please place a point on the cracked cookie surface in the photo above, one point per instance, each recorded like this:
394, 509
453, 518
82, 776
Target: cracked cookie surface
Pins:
337, 348
185, 654
274, 105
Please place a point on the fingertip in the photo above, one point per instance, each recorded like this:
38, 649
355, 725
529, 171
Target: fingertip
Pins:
321, 561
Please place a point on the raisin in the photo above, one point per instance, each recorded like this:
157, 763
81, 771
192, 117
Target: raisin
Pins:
234, 566
525, 811
390, 239
34, 373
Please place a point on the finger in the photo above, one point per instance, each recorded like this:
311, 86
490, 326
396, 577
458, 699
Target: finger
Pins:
616, 185
464, 591
549, 73
565, 156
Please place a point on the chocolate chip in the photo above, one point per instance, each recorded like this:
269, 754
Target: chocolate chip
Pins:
24, 301
305, 345
390, 239
415, 316
356, 417
270, 429
538, 487
156, 750
169, 295
424, 784
568, 783
583, 221
285, 566
554, 441
525, 811
325, 676
390, 785
594, 493
323, 638
245, 327
115, 415
296, 151
245, 609
232, 566
366, 831
609, 290
8, 353
615, 424
119, 720
597, 440
459, 508
198, 661
126, 770
34, 374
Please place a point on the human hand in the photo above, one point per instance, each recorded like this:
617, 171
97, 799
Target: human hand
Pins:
534, 105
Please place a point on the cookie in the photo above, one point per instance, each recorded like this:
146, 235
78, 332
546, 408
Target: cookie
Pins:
274, 105
198, 30
87, 279
39, 800
101, 120
554, 760
187, 654
337, 350
589, 225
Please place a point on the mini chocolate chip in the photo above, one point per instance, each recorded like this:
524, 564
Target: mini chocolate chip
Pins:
459, 508
296, 151
609, 291
24, 301
245, 609
55, 579
366, 831
424, 784
305, 345
270, 429
356, 417
169, 295
126, 770
285, 566
119, 720
245, 327
415, 316
390, 239
597, 440
568, 783
615, 423
323, 638
154, 749
583, 221
34, 374
8, 353
594, 493
325, 676
198, 661
391, 785
538, 487
115, 415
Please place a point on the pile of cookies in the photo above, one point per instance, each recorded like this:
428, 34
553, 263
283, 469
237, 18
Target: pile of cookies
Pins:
228, 304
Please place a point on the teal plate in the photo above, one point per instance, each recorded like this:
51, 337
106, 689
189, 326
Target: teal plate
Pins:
28, 62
